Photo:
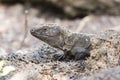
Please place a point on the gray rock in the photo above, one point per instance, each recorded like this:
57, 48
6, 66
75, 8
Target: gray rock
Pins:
109, 74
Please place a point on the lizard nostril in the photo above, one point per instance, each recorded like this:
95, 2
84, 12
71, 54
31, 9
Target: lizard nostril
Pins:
32, 30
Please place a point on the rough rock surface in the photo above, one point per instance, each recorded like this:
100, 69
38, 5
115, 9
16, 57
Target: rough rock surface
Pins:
109, 74
81, 8
36, 64
77, 7
105, 54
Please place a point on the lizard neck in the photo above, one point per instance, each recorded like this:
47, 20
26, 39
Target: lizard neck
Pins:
69, 40
63, 36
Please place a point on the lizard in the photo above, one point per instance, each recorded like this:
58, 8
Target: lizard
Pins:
75, 45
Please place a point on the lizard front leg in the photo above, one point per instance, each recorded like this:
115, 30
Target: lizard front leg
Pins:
77, 53
80, 53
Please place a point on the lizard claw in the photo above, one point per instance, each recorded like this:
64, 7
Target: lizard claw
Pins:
58, 56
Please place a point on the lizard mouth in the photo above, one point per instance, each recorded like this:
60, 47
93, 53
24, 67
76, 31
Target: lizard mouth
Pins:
43, 36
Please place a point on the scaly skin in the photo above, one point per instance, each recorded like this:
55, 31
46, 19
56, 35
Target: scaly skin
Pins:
73, 44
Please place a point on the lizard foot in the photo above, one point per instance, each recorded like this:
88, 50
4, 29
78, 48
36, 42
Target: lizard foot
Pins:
58, 56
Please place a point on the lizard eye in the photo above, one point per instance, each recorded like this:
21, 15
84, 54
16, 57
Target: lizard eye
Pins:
44, 29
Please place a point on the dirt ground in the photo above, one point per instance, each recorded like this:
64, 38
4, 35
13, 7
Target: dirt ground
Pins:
12, 31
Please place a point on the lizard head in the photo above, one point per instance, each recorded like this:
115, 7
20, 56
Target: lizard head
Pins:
50, 33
